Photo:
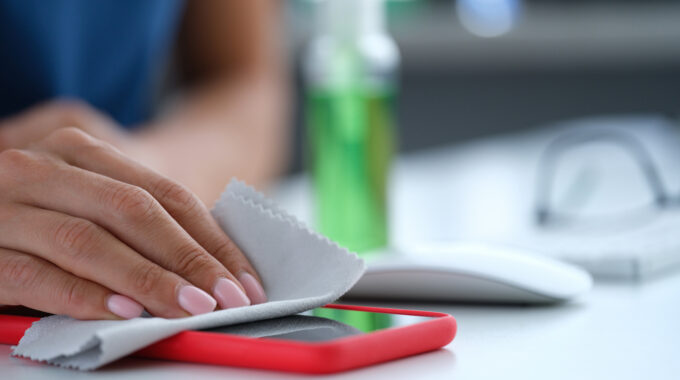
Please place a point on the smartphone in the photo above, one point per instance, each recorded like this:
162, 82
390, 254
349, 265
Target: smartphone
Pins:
330, 339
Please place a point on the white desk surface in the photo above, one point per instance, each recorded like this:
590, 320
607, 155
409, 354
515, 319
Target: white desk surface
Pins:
618, 331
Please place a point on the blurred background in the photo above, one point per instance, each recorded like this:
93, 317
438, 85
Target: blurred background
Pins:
472, 68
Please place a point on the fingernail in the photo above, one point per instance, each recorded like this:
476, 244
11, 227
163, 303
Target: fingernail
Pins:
253, 288
195, 301
228, 294
124, 307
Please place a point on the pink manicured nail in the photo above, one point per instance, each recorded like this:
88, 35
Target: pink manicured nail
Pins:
228, 294
195, 300
253, 288
124, 307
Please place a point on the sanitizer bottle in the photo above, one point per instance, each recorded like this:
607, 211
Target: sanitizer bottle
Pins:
350, 71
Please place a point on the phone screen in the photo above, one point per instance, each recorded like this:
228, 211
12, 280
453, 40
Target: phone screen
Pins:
321, 324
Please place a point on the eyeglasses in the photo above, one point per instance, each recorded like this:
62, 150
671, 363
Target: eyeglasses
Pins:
545, 212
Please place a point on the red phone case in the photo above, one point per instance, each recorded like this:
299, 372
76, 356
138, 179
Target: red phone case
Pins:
274, 354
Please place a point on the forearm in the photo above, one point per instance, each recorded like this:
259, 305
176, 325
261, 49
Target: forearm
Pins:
228, 128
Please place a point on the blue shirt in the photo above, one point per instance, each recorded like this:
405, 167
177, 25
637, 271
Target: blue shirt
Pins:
110, 53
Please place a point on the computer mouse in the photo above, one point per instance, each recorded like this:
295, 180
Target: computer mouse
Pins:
469, 272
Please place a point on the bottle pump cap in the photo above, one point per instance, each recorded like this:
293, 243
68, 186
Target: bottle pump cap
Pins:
351, 18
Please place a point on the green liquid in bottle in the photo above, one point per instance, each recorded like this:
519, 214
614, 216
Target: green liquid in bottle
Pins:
366, 322
351, 143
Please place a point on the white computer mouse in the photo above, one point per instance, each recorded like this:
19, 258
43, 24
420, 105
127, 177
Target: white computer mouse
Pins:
469, 272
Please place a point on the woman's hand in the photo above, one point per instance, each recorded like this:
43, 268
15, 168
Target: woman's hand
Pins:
37, 122
86, 231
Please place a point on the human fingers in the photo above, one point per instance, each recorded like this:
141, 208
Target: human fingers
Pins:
35, 283
135, 218
192, 215
86, 250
